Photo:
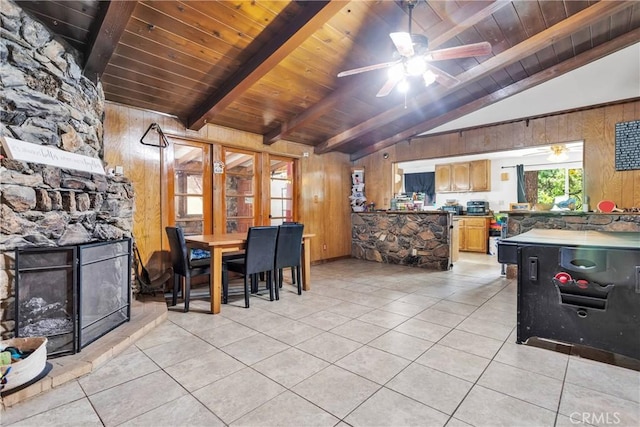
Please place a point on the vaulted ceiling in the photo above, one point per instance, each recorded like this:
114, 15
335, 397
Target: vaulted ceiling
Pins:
270, 67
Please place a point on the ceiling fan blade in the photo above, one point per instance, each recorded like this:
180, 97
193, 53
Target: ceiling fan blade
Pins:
367, 68
403, 43
442, 77
465, 51
387, 87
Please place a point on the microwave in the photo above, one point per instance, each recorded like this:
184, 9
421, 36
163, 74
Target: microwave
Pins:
477, 207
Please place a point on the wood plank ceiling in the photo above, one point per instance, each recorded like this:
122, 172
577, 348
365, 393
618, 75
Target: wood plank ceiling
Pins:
270, 67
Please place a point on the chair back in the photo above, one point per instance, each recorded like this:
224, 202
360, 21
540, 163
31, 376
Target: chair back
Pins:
289, 245
260, 249
178, 248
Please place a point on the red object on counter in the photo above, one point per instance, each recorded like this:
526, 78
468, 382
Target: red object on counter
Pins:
563, 277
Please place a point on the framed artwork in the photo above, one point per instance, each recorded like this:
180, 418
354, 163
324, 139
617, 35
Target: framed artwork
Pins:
519, 206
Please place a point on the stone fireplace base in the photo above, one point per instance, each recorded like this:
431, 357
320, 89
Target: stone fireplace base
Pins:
146, 313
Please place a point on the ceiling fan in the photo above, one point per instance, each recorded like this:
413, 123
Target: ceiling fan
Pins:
415, 60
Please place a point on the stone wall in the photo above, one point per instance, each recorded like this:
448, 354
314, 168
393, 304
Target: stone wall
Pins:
393, 237
45, 100
518, 223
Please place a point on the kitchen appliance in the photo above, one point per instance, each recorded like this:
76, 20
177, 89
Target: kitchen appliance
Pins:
456, 209
477, 207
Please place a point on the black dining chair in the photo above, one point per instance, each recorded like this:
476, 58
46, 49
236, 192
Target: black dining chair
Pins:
259, 255
293, 272
183, 265
288, 250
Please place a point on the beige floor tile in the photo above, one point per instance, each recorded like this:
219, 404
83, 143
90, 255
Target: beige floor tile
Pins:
454, 422
293, 310
131, 399
131, 364
164, 333
400, 344
433, 388
373, 364
287, 410
184, 411
238, 394
290, 367
254, 348
336, 390
196, 322
402, 308
294, 333
541, 361
361, 332
575, 419
471, 343
388, 408
489, 314
349, 309
423, 330
493, 330
78, 413
488, 408
594, 407
539, 390
443, 318
265, 321
419, 300
203, 369
609, 379
44, 402
370, 300
458, 363
325, 320
384, 319
328, 346
388, 293
455, 307
227, 334
173, 352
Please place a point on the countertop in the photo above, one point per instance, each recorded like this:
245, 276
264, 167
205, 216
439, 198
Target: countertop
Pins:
433, 212
607, 239
566, 213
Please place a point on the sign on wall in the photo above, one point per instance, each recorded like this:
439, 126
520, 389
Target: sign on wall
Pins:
44, 154
628, 145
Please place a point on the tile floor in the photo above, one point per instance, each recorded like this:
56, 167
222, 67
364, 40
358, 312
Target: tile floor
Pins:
369, 345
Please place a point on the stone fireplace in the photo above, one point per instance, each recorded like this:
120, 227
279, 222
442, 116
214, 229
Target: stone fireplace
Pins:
45, 100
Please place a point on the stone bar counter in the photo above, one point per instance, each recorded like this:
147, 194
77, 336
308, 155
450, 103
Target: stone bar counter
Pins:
416, 238
519, 222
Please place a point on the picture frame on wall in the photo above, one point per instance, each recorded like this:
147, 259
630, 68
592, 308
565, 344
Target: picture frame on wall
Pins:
519, 206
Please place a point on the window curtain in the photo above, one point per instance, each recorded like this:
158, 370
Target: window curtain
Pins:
522, 195
421, 183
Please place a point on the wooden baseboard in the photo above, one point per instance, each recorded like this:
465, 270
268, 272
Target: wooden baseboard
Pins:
326, 260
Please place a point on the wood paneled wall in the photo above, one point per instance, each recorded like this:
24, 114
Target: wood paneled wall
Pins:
325, 180
596, 127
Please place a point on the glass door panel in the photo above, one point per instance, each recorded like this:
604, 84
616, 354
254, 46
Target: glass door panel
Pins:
189, 188
281, 190
239, 190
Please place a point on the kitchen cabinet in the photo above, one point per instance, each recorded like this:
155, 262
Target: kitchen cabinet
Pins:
474, 234
463, 177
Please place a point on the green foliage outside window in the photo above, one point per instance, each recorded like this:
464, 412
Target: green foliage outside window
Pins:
560, 182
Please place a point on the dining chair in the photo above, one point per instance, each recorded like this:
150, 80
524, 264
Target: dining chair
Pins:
183, 265
293, 273
288, 250
260, 250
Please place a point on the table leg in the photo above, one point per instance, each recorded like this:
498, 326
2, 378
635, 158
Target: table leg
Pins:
216, 280
306, 264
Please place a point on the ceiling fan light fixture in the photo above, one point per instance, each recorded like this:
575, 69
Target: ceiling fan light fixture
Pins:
396, 72
429, 77
403, 86
416, 65
558, 153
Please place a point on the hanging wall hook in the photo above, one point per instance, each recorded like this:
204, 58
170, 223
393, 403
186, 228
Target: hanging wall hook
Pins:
164, 142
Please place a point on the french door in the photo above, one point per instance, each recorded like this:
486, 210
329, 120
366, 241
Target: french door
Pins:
209, 188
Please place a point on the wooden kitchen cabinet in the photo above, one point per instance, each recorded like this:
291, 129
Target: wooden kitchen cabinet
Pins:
474, 234
463, 176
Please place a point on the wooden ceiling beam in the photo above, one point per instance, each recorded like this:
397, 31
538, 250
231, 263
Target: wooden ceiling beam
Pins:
465, 17
309, 17
105, 35
578, 21
582, 59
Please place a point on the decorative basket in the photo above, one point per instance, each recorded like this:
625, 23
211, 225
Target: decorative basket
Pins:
28, 368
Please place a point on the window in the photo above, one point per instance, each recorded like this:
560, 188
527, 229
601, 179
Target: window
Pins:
281, 188
558, 185
189, 197
239, 190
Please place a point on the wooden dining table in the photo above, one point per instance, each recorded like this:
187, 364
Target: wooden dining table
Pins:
218, 244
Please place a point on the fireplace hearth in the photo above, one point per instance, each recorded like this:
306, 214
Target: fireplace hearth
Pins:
72, 295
